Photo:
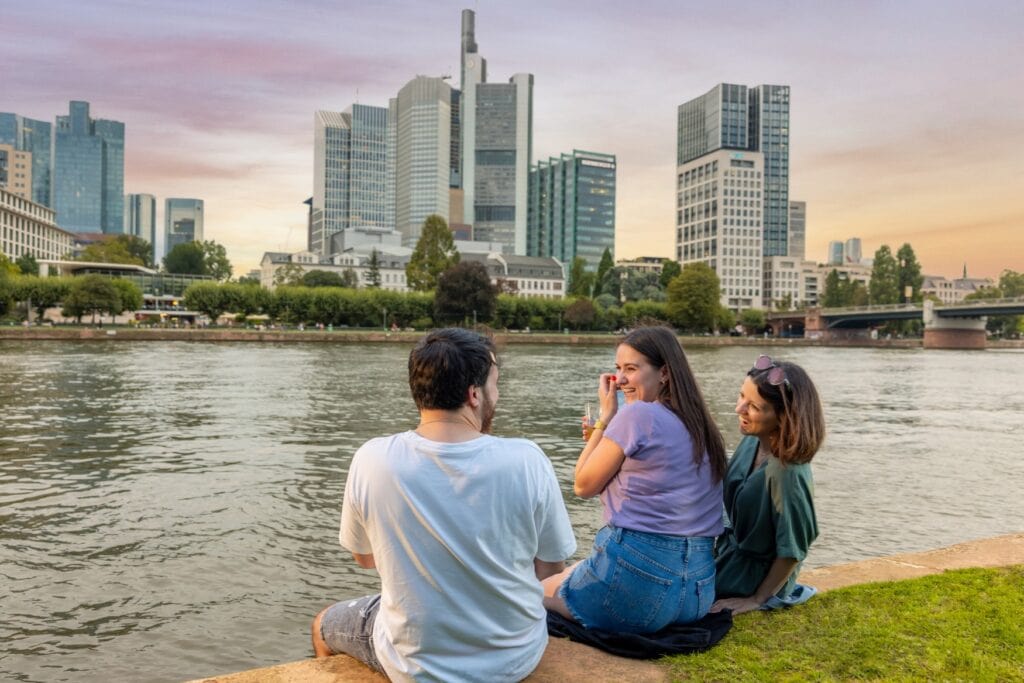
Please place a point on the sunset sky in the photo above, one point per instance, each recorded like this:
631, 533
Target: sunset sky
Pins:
907, 118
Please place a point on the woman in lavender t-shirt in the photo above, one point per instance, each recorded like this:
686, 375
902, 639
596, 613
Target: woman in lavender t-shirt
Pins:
657, 463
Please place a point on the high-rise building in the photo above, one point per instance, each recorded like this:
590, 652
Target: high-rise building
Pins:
496, 122
797, 240
420, 122
28, 228
350, 173
852, 251
572, 208
88, 172
733, 184
140, 218
835, 253
16, 171
183, 222
34, 137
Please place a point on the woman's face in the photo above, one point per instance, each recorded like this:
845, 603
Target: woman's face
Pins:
638, 379
757, 417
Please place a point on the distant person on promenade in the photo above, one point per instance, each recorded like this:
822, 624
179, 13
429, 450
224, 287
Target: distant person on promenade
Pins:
462, 527
769, 490
657, 463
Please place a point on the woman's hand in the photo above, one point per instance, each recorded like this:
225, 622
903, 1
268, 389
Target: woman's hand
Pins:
607, 385
737, 605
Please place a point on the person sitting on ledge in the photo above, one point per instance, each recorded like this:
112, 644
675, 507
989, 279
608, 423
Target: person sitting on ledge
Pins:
462, 526
769, 491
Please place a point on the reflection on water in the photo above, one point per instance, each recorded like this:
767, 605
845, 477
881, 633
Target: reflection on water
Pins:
169, 510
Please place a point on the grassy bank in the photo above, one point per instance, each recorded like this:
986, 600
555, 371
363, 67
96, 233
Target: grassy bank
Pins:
959, 625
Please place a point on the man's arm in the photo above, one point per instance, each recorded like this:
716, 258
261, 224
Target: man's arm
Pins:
541, 568
365, 561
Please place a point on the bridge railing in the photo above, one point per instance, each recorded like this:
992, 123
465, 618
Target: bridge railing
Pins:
878, 308
984, 302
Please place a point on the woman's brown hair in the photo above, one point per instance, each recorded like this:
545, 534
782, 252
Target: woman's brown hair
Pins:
681, 394
798, 408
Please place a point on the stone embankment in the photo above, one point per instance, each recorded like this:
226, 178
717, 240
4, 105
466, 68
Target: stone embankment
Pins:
567, 662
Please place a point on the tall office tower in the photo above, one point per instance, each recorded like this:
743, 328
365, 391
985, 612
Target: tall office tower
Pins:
797, 240
140, 218
852, 251
34, 137
572, 208
349, 173
422, 156
733, 140
496, 120
16, 171
183, 222
88, 172
835, 253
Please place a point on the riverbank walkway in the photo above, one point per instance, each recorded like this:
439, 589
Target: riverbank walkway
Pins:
565, 661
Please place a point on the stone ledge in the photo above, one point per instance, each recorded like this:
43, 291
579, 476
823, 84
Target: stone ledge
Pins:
568, 662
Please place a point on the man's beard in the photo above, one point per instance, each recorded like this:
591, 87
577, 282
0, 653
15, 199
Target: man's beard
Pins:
487, 408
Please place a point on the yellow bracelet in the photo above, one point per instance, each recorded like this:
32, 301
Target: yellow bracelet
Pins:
599, 424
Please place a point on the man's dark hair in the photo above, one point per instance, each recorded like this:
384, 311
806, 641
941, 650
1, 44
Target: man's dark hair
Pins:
445, 364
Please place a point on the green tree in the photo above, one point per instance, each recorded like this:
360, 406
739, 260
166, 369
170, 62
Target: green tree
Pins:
111, 250
725, 319
752, 320
215, 261
131, 295
27, 264
92, 294
581, 282
884, 287
833, 296
40, 292
373, 270
435, 253
669, 270
251, 280
350, 279
784, 303
1011, 283
8, 271
188, 258
322, 278
290, 274
603, 267
137, 247
580, 314
209, 298
693, 298
464, 291
909, 277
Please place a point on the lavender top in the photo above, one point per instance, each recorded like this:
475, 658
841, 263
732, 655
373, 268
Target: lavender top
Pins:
659, 489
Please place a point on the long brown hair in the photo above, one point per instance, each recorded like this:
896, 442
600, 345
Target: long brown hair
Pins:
681, 394
798, 409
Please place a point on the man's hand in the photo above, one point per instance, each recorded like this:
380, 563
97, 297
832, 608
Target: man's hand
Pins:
737, 605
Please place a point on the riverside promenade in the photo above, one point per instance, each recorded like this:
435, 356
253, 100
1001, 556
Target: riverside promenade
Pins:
569, 662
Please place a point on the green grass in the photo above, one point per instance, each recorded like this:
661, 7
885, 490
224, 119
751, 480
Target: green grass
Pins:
965, 625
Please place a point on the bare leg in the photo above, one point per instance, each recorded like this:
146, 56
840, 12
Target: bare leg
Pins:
320, 648
552, 600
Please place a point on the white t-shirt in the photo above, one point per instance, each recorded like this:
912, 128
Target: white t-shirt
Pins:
454, 529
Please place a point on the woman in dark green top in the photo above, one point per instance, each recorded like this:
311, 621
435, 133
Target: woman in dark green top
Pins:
768, 489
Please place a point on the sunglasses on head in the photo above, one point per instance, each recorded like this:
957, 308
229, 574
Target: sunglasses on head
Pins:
776, 375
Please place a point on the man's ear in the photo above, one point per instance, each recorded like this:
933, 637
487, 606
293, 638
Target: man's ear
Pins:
473, 396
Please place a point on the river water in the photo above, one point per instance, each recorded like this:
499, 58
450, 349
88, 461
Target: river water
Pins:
170, 510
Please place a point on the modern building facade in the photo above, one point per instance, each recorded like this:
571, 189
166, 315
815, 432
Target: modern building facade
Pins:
852, 252
183, 222
16, 171
36, 138
572, 208
88, 172
421, 116
30, 228
496, 124
835, 253
797, 242
140, 217
350, 173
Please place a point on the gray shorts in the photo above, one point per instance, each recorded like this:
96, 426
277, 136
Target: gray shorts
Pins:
347, 628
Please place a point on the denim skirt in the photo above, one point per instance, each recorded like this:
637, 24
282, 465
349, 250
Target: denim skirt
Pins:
639, 582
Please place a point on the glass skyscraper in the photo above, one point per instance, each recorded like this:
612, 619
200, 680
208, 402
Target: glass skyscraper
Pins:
183, 222
29, 135
350, 174
88, 172
572, 208
140, 218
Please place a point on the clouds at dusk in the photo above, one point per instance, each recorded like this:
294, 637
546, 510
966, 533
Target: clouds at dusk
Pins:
905, 117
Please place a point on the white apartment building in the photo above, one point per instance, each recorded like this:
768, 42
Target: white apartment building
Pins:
29, 228
391, 266
796, 279
719, 221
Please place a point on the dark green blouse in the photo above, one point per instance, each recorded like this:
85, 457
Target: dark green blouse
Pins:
770, 514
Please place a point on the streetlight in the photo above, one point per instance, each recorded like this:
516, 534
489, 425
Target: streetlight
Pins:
385, 320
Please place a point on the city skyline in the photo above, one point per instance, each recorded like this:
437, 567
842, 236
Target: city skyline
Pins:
905, 119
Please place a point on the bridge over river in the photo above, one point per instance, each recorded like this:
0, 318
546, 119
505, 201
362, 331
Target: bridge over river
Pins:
946, 326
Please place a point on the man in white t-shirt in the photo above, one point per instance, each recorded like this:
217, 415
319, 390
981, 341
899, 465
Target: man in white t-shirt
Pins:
461, 526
